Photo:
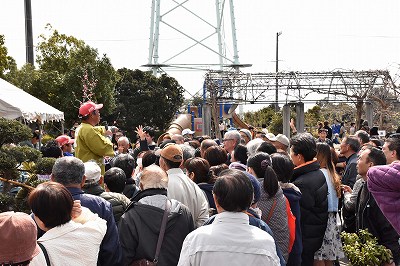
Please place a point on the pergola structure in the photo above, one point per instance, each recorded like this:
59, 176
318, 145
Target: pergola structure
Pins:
356, 87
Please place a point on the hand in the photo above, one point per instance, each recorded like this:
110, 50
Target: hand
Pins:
113, 129
108, 133
76, 209
292, 125
346, 188
140, 132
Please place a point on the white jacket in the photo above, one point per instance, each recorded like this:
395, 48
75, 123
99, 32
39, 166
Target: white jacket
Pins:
75, 243
230, 241
182, 189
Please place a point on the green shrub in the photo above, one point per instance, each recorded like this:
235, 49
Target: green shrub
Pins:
362, 249
46, 138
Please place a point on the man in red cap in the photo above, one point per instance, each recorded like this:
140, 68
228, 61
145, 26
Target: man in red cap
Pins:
65, 143
91, 142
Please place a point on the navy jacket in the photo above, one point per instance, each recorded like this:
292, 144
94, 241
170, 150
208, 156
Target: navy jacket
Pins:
294, 197
207, 189
110, 249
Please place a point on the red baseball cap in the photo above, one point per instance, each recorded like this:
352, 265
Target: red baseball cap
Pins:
88, 107
64, 139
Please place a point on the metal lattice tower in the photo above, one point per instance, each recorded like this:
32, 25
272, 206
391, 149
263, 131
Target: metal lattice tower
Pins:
163, 14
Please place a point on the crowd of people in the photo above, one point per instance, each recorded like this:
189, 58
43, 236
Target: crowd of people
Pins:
252, 198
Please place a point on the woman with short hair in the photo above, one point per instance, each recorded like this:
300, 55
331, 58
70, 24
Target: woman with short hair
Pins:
198, 169
67, 242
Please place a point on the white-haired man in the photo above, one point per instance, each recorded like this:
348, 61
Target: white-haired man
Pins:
123, 146
142, 221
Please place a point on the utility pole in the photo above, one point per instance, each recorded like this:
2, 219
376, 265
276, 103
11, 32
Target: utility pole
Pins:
276, 70
28, 32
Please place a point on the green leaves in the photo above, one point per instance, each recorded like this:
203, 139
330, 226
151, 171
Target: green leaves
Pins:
62, 62
363, 249
12, 131
143, 99
6, 62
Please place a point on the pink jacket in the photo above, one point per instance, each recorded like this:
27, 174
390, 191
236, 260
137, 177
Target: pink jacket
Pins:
384, 184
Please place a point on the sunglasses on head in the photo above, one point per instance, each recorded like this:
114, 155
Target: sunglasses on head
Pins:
395, 136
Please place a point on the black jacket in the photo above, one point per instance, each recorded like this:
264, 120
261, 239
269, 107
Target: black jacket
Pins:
370, 216
139, 228
313, 205
130, 189
350, 172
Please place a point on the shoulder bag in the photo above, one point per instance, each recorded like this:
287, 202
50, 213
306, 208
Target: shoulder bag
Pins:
145, 262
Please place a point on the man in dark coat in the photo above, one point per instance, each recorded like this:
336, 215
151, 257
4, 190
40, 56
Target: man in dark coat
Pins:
369, 215
140, 225
314, 202
349, 148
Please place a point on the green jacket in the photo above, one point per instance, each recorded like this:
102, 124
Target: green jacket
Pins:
91, 144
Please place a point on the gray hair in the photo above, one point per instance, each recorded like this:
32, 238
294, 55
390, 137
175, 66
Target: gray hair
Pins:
188, 151
233, 134
154, 177
68, 171
363, 136
353, 142
123, 139
253, 145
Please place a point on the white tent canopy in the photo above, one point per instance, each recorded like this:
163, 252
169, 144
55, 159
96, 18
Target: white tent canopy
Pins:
15, 103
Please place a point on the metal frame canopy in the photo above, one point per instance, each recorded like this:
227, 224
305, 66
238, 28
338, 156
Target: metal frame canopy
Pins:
335, 86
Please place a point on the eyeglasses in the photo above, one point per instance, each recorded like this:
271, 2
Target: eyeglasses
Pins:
226, 140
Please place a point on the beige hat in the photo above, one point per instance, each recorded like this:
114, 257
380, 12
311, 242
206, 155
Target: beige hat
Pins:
172, 153
283, 139
270, 136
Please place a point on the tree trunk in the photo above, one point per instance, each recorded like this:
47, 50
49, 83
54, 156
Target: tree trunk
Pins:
359, 110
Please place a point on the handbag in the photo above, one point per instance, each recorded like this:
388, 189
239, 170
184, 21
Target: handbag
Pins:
145, 262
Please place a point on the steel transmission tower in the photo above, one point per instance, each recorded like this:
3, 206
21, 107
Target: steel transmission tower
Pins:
215, 39
162, 15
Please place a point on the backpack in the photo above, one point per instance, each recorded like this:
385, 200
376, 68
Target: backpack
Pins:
291, 222
291, 225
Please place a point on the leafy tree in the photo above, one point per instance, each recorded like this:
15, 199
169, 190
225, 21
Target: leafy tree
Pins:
12, 131
143, 99
7, 63
62, 62
263, 116
24, 77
